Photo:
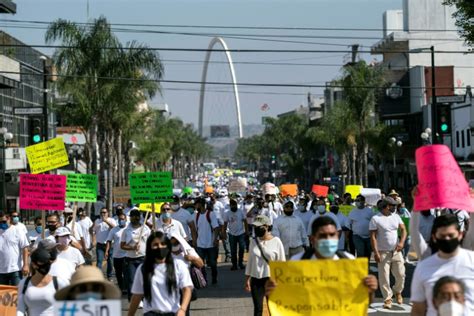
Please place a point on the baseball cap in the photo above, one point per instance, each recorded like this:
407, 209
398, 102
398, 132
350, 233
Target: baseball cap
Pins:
62, 231
391, 201
261, 220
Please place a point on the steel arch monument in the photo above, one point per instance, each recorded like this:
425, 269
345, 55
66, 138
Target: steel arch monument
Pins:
214, 41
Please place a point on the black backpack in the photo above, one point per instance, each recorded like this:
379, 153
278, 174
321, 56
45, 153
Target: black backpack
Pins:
28, 279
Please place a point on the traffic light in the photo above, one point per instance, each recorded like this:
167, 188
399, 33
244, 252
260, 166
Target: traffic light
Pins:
444, 119
35, 131
273, 159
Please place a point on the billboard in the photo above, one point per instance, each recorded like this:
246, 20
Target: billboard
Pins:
220, 131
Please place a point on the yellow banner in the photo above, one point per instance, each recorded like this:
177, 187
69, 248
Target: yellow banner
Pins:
146, 207
354, 190
319, 287
47, 156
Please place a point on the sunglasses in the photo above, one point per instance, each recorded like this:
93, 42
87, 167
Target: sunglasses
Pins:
166, 209
103, 212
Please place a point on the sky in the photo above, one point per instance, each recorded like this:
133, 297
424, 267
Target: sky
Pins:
183, 99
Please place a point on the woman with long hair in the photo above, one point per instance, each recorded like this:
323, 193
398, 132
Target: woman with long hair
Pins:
159, 280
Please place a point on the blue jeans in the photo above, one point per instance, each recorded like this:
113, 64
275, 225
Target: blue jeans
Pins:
210, 256
100, 252
234, 242
131, 265
406, 247
362, 246
12, 278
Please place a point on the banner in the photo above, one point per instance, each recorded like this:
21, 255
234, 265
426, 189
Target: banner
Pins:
319, 288
320, 190
121, 194
151, 187
269, 188
8, 300
146, 207
441, 182
45, 192
289, 190
81, 187
354, 190
237, 185
47, 156
372, 196
88, 308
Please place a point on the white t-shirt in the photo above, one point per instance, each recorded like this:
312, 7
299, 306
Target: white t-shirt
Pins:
130, 237
190, 252
387, 230
219, 209
185, 218
77, 231
12, 242
359, 220
276, 207
205, 229
173, 227
73, 255
21, 227
344, 221
235, 222
161, 300
273, 250
114, 236
33, 235
102, 229
38, 301
429, 270
62, 268
85, 224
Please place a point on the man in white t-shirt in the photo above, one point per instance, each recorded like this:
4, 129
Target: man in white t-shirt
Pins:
35, 232
85, 224
207, 228
71, 254
166, 223
387, 249
185, 218
118, 254
133, 241
102, 227
16, 222
344, 222
236, 228
450, 260
13, 252
359, 219
273, 205
60, 267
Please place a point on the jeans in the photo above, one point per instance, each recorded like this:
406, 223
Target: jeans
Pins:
120, 272
131, 265
234, 242
406, 247
362, 246
257, 288
225, 244
12, 278
210, 256
100, 252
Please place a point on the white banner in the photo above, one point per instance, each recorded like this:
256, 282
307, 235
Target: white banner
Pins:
88, 308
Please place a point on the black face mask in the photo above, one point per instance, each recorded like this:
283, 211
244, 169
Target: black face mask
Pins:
426, 213
160, 253
260, 231
44, 268
233, 208
288, 213
51, 228
447, 245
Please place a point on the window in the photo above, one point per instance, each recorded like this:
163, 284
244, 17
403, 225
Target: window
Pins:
462, 139
457, 139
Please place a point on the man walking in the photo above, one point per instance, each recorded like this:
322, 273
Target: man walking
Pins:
234, 221
387, 249
102, 227
359, 219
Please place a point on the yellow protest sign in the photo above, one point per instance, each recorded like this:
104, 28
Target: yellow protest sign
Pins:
354, 190
346, 209
319, 287
47, 155
146, 207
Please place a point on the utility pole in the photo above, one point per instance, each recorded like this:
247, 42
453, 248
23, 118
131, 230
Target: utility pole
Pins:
434, 105
45, 99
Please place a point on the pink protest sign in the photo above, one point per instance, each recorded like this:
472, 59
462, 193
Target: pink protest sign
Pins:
440, 180
42, 192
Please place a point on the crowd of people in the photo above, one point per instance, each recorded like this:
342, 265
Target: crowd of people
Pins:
160, 261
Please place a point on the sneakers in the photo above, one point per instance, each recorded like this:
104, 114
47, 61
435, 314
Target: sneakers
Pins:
399, 298
387, 304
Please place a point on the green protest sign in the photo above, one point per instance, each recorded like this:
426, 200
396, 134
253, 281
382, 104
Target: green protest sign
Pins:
151, 187
81, 187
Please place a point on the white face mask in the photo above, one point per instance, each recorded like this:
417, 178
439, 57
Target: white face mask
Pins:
451, 308
176, 248
175, 207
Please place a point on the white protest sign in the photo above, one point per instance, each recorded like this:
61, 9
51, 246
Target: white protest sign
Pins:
269, 188
237, 185
88, 308
372, 196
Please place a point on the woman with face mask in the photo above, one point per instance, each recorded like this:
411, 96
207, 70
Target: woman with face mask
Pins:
263, 248
36, 292
449, 296
63, 239
160, 279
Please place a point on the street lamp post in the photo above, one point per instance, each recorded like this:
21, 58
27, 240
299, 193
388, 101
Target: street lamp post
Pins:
5, 138
425, 136
45, 100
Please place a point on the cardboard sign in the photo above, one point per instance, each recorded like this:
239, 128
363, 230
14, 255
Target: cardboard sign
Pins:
440, 180
121, 194
320, 190
8, 300
289, 190
47, 156
151, 187
354, 190
372, 196
237, 185
146, 207
45, 192
88, 308
319, 287
81, 187
269, 188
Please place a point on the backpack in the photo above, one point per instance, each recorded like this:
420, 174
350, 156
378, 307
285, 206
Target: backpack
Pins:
28, 279
198, 276
310, 252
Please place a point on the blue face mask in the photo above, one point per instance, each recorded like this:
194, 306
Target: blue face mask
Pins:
190, 210
15, 220
327, 247
39, 229
166, 216
122, 223
4, 226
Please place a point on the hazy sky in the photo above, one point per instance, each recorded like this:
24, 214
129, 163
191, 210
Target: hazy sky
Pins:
220, 106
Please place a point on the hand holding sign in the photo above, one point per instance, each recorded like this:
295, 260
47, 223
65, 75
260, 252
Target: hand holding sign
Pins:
440, 180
